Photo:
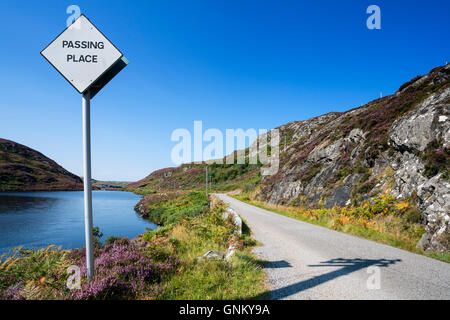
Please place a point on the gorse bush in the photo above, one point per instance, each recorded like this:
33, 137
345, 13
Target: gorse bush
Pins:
383, 205
383, 218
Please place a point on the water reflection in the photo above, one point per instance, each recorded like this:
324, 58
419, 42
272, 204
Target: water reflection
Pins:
43, 218
12, 204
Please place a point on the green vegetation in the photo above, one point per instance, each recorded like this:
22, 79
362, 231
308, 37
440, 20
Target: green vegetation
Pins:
96, 236
383, 220
187, 177
110, 185
437, 159
30, 274
224, 173
240, 278
311, 172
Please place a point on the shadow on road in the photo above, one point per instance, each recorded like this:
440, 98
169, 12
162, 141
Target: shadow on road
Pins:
346, 266
277, 264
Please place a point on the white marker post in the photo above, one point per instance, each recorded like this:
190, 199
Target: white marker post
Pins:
206, 184
88, 60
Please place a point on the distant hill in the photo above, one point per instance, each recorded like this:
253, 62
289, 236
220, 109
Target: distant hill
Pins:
25, 169
399, 143
109, 185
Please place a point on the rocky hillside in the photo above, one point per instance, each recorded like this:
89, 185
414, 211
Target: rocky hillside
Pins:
25, 169
398, 144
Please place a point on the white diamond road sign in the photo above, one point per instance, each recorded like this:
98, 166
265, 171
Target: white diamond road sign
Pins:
82, 54
88, 60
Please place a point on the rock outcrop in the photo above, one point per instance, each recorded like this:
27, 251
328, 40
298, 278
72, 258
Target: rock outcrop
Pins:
399, 143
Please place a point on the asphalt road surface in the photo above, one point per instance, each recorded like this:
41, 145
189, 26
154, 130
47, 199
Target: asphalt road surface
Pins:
305, 261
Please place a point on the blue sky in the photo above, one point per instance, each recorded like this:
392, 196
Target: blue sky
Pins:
232, 64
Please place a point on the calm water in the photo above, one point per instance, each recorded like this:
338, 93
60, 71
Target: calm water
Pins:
37, 219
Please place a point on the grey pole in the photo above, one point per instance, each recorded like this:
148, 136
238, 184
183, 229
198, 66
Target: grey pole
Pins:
87, 184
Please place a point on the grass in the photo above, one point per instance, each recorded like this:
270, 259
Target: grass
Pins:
385, 222
240, 278
171, 207
439, 256
218, 280
36, 274
159, 264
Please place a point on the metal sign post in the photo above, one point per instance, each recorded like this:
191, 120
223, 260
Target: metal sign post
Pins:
88, 225
88, 61
206, 184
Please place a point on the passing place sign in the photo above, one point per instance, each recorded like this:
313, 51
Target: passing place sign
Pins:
81, 53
